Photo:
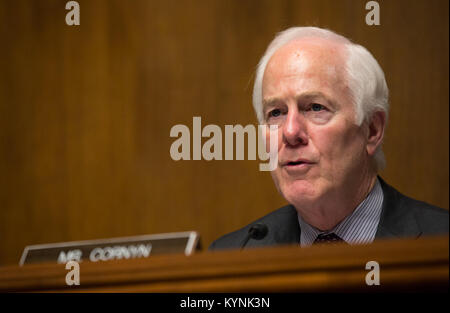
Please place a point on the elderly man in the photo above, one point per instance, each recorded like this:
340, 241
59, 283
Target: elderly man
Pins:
329, 99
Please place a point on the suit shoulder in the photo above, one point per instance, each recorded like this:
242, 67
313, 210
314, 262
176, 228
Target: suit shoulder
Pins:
430, 219
273, 220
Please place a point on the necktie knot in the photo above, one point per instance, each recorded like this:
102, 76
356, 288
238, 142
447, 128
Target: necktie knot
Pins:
328, 238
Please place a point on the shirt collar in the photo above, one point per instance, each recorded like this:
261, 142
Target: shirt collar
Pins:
357, 228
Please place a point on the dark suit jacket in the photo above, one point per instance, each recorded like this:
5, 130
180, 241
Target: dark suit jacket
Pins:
401, 217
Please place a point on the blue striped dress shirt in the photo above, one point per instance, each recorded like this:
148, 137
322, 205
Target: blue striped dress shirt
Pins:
359, 227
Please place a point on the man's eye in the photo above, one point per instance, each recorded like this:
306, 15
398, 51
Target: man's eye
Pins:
317, 107
274, 113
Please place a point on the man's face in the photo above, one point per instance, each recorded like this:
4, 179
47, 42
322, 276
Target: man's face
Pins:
321, 151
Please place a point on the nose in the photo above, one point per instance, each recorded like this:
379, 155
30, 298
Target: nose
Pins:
294, 129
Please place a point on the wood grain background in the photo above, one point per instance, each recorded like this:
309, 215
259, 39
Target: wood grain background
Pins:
86, 111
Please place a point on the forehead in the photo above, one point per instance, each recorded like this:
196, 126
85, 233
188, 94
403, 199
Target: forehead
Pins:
316, 58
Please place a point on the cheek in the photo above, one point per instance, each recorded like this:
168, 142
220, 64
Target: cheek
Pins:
342, 148
337, 143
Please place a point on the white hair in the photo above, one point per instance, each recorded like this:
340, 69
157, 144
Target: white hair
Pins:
365, 77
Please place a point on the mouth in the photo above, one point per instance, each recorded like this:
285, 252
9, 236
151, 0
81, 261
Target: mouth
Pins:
296, 163
299, 166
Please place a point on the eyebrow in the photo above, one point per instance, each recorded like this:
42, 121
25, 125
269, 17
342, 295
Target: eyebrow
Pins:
303, 96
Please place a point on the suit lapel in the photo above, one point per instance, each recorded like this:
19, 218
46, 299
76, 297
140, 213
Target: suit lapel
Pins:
288, 232
396, 219
284, 228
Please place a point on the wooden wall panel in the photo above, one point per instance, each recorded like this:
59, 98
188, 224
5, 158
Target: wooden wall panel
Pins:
86, 111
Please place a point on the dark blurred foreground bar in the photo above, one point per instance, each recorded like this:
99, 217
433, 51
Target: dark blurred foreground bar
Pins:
405, 265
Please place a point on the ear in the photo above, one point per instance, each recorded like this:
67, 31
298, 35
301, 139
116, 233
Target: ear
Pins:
375, 134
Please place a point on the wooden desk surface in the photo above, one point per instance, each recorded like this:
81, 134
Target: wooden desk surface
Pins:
405, 265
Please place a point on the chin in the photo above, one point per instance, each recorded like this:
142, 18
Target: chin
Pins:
300, 192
